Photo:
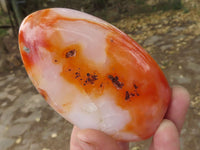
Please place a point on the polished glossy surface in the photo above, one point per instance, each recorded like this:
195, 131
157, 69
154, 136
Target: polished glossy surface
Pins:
93, 74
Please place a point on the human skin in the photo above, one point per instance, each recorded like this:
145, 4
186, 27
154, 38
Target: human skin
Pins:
166, 136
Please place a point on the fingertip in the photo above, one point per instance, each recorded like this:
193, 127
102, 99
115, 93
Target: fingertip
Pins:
84, 135
92, 135
82, 139
166, 137
166, 126
179, 91
178, 107
99, 140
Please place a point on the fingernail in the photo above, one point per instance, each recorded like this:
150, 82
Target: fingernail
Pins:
84, 144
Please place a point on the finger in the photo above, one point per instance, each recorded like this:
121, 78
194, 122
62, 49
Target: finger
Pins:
166, 137
178, 106
74, 142
94, 139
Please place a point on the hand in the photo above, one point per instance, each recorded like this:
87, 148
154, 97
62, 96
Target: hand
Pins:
165, 138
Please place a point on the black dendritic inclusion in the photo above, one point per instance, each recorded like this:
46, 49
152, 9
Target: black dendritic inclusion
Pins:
26, 49
71, 53
101, 85
88, 74
116, 81
91, 78
135, 86
128, 95
77, 75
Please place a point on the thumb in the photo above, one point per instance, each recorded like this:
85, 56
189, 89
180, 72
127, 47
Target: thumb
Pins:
90, 139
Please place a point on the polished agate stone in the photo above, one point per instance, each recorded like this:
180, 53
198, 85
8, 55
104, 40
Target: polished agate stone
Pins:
93, 74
